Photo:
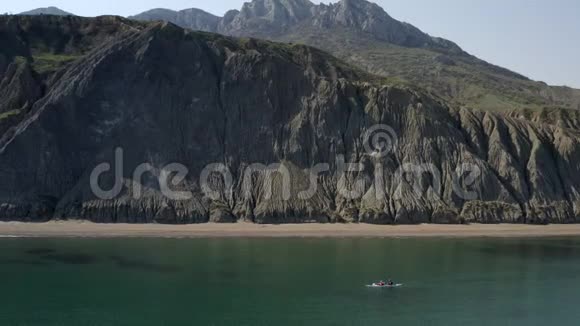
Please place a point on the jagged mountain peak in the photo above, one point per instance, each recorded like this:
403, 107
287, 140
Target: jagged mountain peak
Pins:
368, 17
279, 13
288, 4
357, 4
364, 34
267, 18
357, 8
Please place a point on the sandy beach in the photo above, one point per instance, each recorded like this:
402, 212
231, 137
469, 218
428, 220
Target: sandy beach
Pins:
87, 229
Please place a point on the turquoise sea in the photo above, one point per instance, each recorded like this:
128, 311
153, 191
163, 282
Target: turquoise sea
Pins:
289, 281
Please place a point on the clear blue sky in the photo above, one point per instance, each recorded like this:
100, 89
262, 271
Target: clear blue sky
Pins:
537, 38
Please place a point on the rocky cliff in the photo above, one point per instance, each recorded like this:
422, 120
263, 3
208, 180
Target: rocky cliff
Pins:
82, 88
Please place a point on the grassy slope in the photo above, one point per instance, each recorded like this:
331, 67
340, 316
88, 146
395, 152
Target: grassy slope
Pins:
49, 62
461, 79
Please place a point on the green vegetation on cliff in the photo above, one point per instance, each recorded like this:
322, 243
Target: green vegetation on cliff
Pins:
8, 114
49, 62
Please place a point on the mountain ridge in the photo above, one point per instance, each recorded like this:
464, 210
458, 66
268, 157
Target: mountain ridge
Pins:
47, 11
363, 34
359, 14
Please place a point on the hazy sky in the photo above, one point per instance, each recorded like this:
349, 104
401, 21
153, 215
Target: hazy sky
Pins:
537, 38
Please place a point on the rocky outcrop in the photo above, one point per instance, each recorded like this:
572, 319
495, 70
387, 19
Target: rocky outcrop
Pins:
34, 47
369, 18
166, 95
274, 18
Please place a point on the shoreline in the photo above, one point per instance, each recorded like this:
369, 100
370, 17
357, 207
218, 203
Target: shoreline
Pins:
75, 229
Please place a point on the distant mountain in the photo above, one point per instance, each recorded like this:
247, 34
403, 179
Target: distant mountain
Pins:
46, 11
195, 19
363, 34
276, 18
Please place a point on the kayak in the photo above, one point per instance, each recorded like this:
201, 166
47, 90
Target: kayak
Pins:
376, 285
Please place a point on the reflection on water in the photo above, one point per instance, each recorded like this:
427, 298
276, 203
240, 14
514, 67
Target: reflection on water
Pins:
477, 282
72, 259
40, 251
45, 255
143, 265
538, 249
20, 262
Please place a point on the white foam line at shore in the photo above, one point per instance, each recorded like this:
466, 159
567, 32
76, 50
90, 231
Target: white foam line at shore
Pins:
10, 236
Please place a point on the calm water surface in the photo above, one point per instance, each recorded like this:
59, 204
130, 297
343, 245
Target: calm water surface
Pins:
289, 282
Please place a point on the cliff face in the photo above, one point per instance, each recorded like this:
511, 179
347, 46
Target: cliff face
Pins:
166, 95
35, 49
